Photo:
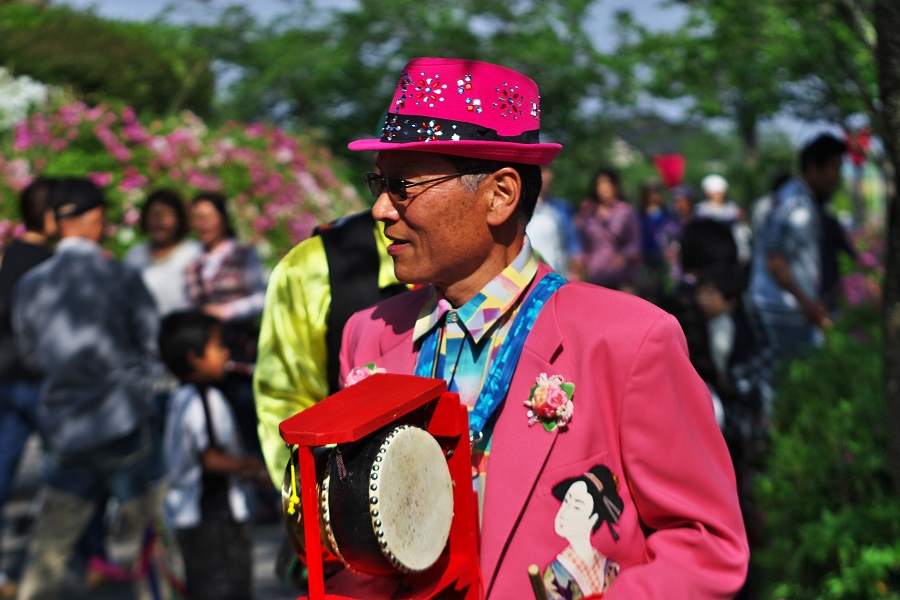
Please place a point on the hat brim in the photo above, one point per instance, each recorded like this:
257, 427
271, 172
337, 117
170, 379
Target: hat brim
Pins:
528, 154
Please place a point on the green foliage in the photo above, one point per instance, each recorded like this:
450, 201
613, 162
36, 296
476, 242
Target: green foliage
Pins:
748, 61
832, 520
706, 152
727, 58
151, 66
336, 72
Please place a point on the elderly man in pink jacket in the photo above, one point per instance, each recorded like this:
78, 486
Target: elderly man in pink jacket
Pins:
596, 455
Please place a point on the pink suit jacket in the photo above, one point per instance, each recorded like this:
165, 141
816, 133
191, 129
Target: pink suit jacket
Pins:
640, 409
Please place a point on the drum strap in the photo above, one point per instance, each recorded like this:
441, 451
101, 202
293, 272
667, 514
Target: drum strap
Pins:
500, 375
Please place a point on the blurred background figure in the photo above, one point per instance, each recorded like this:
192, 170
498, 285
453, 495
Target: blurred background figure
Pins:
786, 274
545, 230
227, 281
203, 459
88, 325
762, 205
704, 244
19, 385
164, 257
716, 207
553, 232
834, 243
656, 227
684, 198
610, 234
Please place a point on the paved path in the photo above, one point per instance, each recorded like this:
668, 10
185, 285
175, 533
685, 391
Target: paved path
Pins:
21, 509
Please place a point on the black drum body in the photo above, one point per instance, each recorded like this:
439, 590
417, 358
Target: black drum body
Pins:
385, 502
293, 515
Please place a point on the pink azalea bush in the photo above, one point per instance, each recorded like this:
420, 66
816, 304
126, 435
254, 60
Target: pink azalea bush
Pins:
863, 284
280, 185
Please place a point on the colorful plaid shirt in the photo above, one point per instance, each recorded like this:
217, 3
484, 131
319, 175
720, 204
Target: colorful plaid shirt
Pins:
472, 336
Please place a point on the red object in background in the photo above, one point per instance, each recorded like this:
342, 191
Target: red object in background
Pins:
670, 168
859, 144
352, 414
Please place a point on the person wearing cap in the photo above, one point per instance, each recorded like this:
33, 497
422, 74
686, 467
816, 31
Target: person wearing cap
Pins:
88, 324
561, 378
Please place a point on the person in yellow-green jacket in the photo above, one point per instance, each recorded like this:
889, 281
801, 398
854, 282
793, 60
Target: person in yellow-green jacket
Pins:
343, 268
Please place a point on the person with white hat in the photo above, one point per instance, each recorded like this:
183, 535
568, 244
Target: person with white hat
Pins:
716, 206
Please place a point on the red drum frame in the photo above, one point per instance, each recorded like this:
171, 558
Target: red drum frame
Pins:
354, 413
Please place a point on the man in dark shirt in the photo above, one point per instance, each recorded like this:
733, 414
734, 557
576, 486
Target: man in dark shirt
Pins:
19, 385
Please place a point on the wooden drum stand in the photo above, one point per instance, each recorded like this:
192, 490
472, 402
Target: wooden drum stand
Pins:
354, 413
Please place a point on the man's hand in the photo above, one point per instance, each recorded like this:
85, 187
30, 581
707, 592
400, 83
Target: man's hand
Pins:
254, 469
815, 313
814, 310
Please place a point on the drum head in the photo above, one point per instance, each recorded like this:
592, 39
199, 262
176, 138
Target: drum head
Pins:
415, 498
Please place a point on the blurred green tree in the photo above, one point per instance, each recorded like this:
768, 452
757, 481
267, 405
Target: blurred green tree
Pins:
886, 21
336, 71
821, 59
150, 66
727, 58
747, 62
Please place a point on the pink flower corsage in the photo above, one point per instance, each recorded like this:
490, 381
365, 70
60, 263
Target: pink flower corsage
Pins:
550, 402
357, 374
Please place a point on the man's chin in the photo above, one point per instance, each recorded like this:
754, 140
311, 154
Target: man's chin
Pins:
408, 274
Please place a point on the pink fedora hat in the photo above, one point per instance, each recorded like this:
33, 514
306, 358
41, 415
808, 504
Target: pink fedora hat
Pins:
466, 108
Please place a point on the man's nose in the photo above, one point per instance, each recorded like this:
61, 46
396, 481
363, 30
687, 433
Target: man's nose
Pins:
384, 209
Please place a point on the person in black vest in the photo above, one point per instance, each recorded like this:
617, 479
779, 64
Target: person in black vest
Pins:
343, 268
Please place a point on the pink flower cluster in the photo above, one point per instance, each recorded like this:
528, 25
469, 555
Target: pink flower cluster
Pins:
549, 401
864, 285
357, 374
280, 184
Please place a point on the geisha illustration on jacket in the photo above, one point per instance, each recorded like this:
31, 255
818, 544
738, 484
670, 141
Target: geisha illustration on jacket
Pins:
588, 501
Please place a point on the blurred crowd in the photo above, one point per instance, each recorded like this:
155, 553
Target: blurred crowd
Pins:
137, 374
110, 363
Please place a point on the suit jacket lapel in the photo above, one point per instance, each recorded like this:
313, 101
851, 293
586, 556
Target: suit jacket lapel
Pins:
395, 344
518, 452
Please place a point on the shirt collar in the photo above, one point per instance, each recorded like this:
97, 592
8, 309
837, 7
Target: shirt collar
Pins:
478, 315
78, 244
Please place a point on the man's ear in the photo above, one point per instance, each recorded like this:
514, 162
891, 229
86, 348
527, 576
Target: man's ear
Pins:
191, 358
504, 191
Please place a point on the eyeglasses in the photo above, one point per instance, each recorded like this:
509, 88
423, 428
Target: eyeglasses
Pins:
397, 187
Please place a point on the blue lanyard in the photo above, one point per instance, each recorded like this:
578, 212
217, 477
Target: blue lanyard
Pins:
500, 375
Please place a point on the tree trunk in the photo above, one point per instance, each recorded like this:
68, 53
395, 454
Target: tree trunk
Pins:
748, 134
887, 26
